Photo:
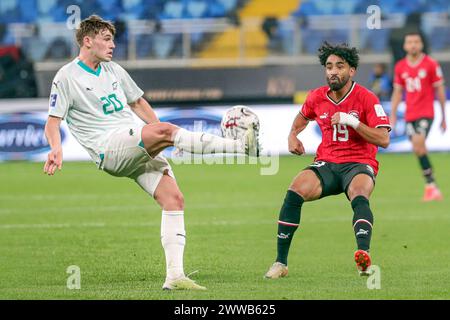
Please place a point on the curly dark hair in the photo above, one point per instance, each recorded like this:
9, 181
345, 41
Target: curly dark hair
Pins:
350, 55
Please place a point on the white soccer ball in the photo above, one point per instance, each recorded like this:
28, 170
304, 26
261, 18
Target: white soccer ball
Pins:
237, 120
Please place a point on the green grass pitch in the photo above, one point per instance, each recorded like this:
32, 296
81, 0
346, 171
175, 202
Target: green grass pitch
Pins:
111, 229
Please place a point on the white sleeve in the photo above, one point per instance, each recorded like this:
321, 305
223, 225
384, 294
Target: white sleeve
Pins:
130, 88
59, 101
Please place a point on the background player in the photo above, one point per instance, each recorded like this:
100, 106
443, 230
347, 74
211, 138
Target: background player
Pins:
96, 97
353, 124
420, 76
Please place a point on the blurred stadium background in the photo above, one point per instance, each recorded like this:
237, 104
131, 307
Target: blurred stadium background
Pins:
193, 59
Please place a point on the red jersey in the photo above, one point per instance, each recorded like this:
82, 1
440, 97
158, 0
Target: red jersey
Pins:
419, 80
341, 143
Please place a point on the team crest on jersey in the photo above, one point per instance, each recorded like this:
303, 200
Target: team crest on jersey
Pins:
53, 98
354, 113
422, 73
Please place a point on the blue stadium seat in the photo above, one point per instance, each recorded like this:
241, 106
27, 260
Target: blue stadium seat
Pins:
440, 38
312, 39
134, 9
163, 45
144, 44
172, 10
229, 5
196, 9
306, 8
28, 9
10, 11
216, 9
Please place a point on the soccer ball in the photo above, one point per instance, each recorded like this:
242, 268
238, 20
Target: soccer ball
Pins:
237, 120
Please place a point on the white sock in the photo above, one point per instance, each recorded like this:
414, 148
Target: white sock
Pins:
205, 143
173, 239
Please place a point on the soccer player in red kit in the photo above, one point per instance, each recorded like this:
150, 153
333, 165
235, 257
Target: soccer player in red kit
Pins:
420, 76
353, 125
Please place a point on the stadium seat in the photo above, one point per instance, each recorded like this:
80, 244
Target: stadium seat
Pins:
144, 44
216, 9
163, 45
196, 9
229, 5
172, 10
440, 38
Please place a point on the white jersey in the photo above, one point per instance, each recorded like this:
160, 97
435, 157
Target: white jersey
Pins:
93, 103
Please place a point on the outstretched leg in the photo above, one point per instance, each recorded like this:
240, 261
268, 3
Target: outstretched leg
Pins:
158, 136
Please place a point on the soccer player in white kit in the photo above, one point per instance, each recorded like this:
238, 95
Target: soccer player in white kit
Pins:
96, 97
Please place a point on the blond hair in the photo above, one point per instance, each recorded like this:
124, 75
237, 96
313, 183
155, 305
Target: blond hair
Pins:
92, 26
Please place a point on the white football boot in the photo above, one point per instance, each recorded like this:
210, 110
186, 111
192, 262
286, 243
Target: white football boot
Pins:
251, 142
183, 283
277, 270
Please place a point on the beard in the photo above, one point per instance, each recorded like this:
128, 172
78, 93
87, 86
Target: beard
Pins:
339, 84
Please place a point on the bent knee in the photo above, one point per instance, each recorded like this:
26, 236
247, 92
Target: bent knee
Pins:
171, 202
163, 130
358, 191
307, 192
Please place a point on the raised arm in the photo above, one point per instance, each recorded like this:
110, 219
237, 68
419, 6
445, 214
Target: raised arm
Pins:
144, 111
54, 159
295, 145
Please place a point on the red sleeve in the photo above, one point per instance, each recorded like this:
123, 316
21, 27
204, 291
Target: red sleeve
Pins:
307, 109
375, 115
398, 80
437, 76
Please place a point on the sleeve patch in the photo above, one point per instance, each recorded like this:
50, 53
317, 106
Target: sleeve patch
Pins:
53, 98
379, 110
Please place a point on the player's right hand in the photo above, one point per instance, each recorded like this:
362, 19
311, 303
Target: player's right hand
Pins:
295, 146
54, 161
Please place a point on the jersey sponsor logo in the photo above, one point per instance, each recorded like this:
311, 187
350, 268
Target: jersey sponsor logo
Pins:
53, 98
370, 169
114, 85
379, 111
22, 136
324, 115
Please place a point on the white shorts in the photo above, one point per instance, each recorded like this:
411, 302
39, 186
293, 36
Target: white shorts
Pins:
125, 156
